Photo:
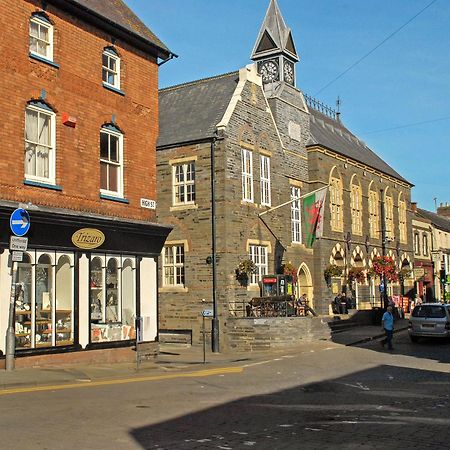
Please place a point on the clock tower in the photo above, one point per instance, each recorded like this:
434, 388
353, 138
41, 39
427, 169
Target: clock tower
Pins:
274, 51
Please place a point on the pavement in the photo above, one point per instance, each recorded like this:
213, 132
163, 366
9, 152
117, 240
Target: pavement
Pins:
171, 358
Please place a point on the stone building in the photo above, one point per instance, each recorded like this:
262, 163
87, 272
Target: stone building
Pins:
234, 153
74, 144
432, 253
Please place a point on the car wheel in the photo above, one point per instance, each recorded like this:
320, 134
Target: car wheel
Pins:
414, 338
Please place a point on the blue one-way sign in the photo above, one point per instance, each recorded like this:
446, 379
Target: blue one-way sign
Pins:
20, 222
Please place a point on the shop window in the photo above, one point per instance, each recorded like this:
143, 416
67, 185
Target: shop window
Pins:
184, 183
247, 175
258, 254
44, 304
111, 68
111, 157
173, 265
39, 143
296, 216
64, 302
41, 37
265, 180
112, 299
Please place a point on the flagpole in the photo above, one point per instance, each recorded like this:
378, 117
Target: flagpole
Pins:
293, 200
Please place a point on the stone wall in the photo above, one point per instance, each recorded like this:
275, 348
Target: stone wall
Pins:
257, 334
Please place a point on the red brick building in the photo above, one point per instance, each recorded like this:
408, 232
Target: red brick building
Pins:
79, 91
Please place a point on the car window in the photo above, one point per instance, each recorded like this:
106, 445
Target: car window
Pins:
434, 312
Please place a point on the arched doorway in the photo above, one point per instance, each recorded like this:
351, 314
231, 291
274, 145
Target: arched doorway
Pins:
305, 284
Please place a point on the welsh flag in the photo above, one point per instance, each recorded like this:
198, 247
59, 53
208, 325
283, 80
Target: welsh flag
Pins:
314, 207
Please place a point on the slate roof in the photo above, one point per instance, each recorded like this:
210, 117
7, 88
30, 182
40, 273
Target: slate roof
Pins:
438, 221
190, 112
119, 14
332, 134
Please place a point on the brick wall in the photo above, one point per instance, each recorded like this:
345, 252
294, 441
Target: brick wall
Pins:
76, 88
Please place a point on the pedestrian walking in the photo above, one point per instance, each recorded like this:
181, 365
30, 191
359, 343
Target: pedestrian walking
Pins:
387, 323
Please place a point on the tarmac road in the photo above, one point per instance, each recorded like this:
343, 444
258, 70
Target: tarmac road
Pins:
320, 396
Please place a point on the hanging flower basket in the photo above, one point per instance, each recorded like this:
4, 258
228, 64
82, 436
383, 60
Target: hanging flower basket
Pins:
289, 269
356, 274
332, 271
371, 273
243, 271
385, 266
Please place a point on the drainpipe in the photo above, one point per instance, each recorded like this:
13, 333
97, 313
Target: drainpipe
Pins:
215, 319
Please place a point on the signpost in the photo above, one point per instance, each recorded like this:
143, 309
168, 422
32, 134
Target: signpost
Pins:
19, 223
205, 313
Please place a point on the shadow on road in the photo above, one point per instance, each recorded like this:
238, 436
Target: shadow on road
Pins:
435, 349
384, 407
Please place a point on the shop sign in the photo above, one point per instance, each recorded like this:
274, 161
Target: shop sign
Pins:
149, 204
419, 272
269, 280
88, 238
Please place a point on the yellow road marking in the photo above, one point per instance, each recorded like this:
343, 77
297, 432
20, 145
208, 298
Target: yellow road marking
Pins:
60, 387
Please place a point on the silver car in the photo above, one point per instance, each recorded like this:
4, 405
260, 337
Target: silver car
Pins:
429, 320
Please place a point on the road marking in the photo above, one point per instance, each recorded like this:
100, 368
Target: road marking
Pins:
61, 387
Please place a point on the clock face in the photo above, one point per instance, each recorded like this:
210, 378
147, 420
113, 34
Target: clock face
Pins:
269, 71
288, 72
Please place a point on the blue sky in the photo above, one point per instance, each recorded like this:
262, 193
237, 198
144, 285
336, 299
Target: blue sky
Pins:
397, 99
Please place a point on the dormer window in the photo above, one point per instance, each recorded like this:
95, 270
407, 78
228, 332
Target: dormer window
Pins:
41, 37
111, 68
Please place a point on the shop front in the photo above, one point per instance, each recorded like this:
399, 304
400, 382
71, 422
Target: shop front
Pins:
84, 283
424, 280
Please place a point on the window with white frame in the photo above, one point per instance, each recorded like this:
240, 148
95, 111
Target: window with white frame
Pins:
173, 265
356, 208
39, 143
265, 180
41, 37
296, 215
336, 204
258, 254
374, 219
184, 183
425, 244
111, 161
111, 68
112, 289
416, 243
247, 175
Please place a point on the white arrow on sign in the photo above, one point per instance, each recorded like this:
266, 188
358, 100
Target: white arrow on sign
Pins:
23, 222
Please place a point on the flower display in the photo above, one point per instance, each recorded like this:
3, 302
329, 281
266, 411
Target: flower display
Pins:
385, 266
356, 274
244, 269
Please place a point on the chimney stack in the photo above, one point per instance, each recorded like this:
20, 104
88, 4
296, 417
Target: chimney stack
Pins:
414, 207
444, 210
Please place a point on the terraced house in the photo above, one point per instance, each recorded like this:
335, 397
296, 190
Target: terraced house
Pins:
78, 131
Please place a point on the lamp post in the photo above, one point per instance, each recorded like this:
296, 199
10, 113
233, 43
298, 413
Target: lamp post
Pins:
384, 300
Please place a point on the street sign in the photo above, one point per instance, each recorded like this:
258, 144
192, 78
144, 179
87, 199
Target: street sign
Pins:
18, 244
207, 313
17, 256
19, 222
149, 204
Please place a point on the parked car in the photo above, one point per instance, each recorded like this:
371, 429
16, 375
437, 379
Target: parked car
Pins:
429, 320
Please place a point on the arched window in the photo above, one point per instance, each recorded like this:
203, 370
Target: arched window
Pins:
24, 303
402, 219
112, 296
111, 161
64, 302
356, 207
336, 204
296, 215
40, 142
389, 211
374, 217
